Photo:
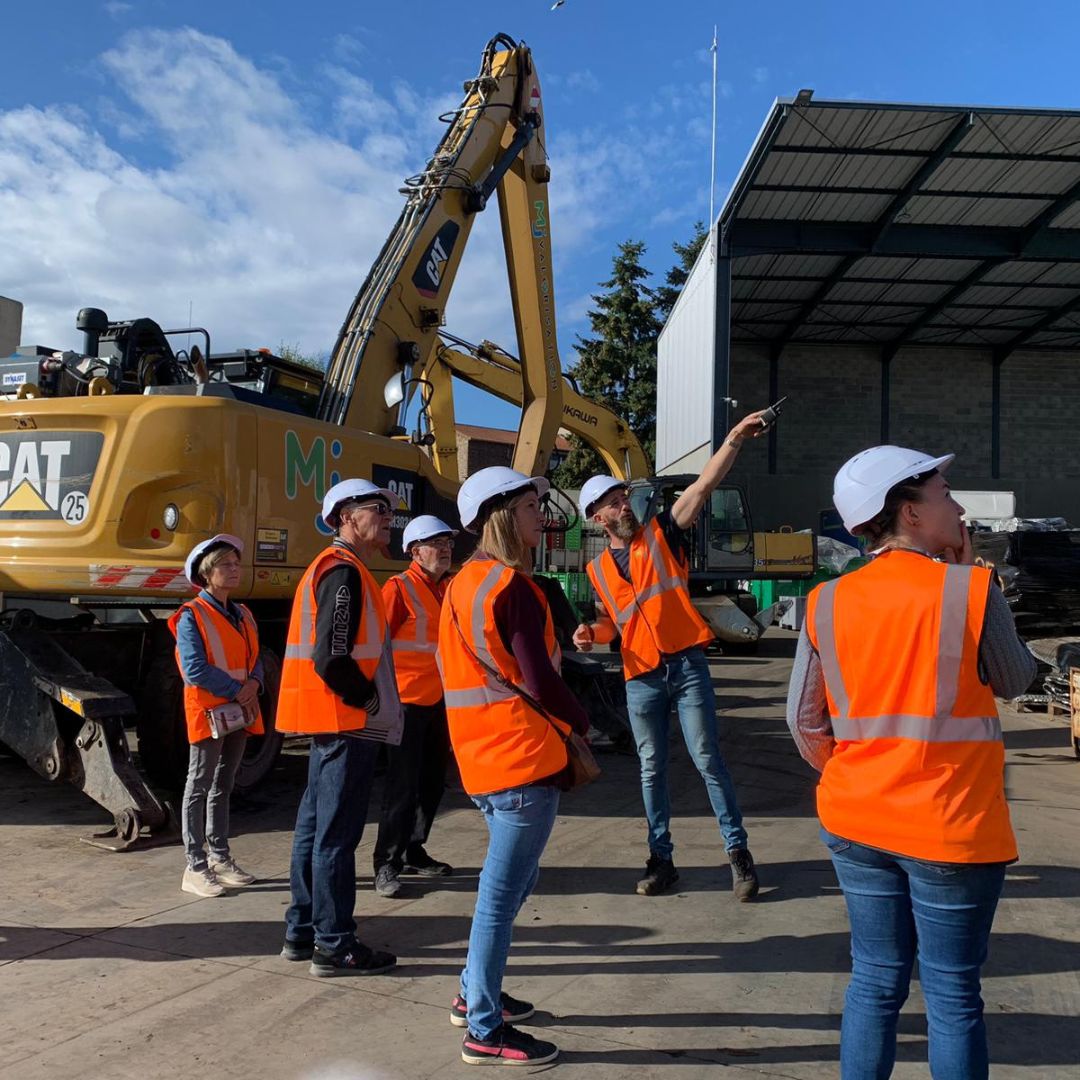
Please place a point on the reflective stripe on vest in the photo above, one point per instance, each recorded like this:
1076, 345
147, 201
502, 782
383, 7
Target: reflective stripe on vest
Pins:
231, 649
942, 726
500, 738
666, 583
491, 690
369, 649
306, 705
426, 636
215, 647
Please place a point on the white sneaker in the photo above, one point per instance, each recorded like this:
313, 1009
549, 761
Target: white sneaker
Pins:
228, 873
201, 883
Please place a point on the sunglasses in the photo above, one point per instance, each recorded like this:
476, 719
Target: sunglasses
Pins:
380, 506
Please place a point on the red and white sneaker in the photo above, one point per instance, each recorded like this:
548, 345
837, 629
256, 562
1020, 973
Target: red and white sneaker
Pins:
507, 1046
513, 1010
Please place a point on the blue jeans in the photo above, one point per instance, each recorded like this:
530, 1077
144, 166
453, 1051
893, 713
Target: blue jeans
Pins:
329, 825
682, 680
519, 822
901, 908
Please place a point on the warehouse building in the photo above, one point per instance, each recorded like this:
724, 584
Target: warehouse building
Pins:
905, 274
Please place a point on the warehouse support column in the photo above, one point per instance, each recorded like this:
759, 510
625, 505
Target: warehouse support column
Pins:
722, 348
774, 395
886, 365
999, 358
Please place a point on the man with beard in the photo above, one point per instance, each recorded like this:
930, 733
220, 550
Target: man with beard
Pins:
640, 586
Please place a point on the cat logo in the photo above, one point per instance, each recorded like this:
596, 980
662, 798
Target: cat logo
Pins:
429, 273
48, 474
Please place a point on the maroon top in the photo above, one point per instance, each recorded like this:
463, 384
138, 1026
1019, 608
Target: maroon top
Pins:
519, 618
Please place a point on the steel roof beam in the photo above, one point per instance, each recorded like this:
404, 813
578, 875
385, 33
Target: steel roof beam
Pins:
1045, 323
908, 304
896, 152
935, 193
1035, 232
809, 279
757, 236
952, 140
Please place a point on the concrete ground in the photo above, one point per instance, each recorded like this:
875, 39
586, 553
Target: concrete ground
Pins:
108, 970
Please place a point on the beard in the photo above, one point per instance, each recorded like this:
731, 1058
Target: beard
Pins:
626, 526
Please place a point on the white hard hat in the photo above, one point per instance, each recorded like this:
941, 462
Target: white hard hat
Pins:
594, 489
862, 483
424, 527
191, 566
354, 489
488, 483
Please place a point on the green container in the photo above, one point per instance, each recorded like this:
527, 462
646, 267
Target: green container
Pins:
572, 539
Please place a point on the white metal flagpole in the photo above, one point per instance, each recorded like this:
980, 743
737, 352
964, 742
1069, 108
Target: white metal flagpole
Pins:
712, 163
712, 167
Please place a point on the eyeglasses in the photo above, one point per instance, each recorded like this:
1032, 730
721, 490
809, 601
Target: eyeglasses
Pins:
446, 542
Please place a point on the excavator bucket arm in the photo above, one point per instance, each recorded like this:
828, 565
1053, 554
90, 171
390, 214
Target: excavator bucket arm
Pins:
493, 146
489, 368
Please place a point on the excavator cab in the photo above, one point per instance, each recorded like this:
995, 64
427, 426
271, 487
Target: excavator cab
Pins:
722, 538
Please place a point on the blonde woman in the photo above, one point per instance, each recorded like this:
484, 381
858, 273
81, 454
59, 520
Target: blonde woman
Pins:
509, 713
217, 651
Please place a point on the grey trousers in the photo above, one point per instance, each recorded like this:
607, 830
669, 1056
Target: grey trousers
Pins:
205, 816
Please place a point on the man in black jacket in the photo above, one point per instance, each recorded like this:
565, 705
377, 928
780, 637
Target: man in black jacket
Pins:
338, 685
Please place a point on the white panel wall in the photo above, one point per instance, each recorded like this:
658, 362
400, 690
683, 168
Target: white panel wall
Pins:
684, 376
10, 325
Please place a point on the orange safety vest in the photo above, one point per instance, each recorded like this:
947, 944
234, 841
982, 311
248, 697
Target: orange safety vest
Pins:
918, 767
499, 739
416, 641
233, 651
652, 611
306, 705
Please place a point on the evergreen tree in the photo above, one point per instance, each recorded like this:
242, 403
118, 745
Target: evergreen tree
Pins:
617, 365
676, 278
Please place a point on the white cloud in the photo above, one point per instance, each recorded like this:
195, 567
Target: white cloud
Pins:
761, 75
211, 182
116, 8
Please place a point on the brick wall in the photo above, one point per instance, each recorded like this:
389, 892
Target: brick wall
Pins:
940, 400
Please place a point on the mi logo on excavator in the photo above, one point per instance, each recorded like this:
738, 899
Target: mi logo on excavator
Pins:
48, 474
429, 273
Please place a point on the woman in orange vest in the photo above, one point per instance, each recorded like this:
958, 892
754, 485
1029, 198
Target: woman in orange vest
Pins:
509, 713
416, 770
217, 651
892, 701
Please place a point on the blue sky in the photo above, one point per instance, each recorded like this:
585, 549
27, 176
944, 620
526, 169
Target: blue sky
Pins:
245, 159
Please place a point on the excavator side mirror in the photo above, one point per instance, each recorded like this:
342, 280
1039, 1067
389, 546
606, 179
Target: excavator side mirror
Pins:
394, 390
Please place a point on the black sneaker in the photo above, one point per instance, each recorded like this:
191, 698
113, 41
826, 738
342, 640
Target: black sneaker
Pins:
507, 1046
744, 880
420, 862
386, 881
513, 1011
357, 959
660, 874
297, 950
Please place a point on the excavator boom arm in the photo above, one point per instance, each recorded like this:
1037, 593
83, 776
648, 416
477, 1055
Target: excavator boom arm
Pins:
491, 369
495, 144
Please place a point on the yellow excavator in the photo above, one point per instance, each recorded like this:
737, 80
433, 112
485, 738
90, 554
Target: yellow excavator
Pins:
724, 548
116, 458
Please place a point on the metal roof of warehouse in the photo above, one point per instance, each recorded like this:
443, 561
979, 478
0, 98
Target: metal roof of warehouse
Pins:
907, 224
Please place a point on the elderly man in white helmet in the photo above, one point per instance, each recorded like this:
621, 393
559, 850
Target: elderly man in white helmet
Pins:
338, 686
416, 770
641, 592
